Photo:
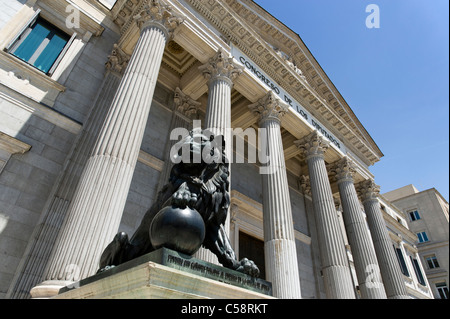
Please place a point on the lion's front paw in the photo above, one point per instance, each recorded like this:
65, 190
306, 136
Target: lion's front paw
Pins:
183, 198
105, 269
248, 267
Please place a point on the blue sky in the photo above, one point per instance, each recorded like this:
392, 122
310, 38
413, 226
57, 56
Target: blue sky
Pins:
395, 78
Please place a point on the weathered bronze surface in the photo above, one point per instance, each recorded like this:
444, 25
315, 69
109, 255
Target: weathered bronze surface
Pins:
197, 183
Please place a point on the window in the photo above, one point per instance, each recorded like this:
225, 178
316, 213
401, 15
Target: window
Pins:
41, 44
423, 237
442, 290
253, 249
401, 261
414, 215
418, 272
432, 262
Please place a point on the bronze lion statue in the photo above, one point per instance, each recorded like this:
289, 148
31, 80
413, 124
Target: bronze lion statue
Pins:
199, 181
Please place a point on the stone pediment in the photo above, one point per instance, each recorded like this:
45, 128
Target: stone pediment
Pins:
276, 49
281, 53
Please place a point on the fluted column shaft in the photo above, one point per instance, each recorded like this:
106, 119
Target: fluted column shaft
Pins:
390, 269
94, 215
47, 231
279, 239
96, 210
218, 113
335, 267
364, 257
220, 71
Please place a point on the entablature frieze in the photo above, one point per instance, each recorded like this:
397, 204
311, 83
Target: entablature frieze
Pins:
196, 37
291, 48
226, 17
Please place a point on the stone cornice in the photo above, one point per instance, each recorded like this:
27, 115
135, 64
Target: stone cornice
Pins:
56, 12
125, 12
291, 47
13, 145
229, 18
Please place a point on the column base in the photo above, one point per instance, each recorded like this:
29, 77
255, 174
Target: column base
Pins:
282, 268
400, 297
338, 283
49, 289
372, 290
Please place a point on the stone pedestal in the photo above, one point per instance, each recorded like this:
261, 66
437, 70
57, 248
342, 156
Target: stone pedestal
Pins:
166, 274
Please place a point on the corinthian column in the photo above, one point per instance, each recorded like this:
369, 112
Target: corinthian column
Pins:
39, 250
221, 70
279, 240
335, 268
389, 266
365, 260
94, 215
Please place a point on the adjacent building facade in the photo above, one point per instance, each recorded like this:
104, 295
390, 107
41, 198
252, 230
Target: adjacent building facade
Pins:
90, 92
427, 216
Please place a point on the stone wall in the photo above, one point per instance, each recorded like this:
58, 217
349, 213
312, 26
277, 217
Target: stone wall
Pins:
27, 180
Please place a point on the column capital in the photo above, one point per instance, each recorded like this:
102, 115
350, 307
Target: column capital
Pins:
313, 145
337, 204
221, 66
368, 190
185, 105
343, 170
118, 60
154, 13
234, 210
270, 107
305, 185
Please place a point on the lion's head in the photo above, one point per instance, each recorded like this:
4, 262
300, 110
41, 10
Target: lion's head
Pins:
198, 149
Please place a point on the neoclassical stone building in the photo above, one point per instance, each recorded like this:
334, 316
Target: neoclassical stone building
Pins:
90, 92
427, 217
